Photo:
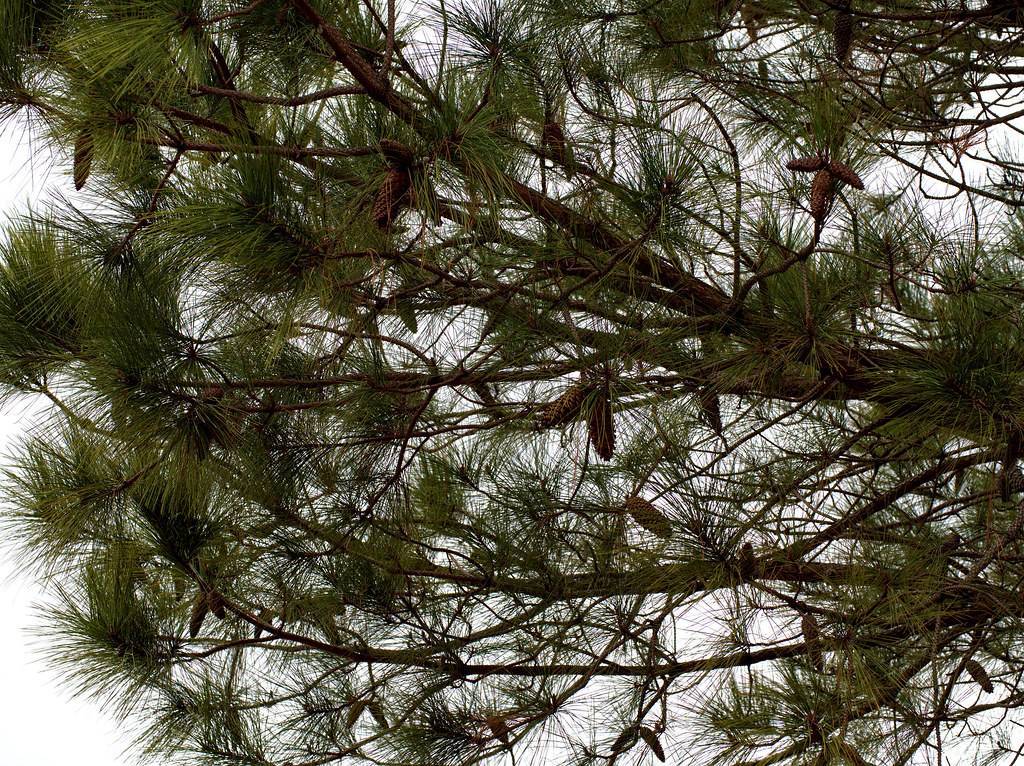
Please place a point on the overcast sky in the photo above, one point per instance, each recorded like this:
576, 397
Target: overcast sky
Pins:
40, 725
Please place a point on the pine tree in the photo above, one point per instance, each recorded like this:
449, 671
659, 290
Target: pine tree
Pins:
591, 382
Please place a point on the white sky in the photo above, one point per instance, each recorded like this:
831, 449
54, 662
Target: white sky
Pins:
40, 725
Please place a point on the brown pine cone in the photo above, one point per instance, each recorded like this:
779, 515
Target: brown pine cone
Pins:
212, 393
396, 152
565, 408
499, 727
553, 139
806, 164
845, 174
651, 740
200, 608
646, 515
747, 561
83, 159
725, 10
812, 635
842, 36
215, 602
601, 425
391, 197
980, 675
752, 18
711, 410
814, 732
822, 190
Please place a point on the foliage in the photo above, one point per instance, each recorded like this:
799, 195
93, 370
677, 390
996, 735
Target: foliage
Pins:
499, 380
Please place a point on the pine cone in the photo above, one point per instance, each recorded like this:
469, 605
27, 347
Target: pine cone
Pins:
498, 727
199, 611
725, 10
814, 732
1013, 451
212, 393
565, 408
83, 159
1015, 480
980, 675
711, 410
812, 639
950, 543
215, 601
822, 189
645, 514
554, 142
391, 197
842, 35
747, 561
601, 425
752, 17
626, 739
806, 164
377, 711
651, 740
397, 153
845, 174
265, 616
355, 710
553, 139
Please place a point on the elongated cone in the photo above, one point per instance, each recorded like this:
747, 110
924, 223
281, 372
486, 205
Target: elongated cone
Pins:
498, 727
265, 616
355, 710
725, 10
645, 514
845, 174
601, 426
407, 313
200, 609
752, 17
556, 145
711, 410
625, 740
950, 543
814, 732
806, 164
980, 675
396, 152
215, 601
1015, 479
377, 711
212, 393
391, 197
1013, 450
552, 138
842, 35
822, 189
651, 740
812, 639
83, 159
484, 393
565, 408
748, 563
